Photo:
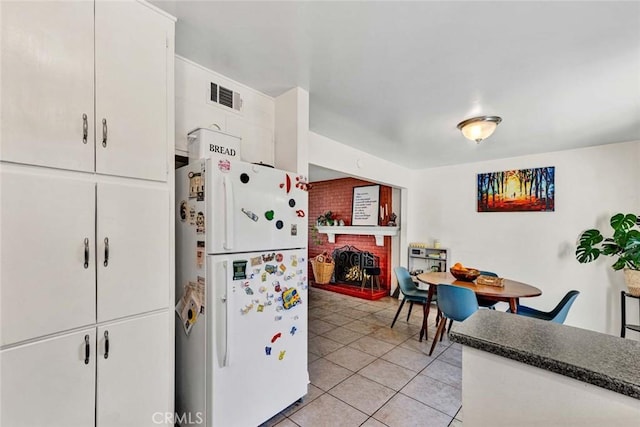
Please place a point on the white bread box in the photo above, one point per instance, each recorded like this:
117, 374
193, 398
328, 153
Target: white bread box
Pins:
205, 143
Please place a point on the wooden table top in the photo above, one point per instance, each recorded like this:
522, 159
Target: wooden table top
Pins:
511, 288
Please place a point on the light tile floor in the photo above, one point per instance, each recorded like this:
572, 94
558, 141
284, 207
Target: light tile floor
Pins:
363, 373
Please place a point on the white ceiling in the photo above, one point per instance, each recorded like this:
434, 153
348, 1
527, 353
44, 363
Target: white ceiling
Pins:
394, 78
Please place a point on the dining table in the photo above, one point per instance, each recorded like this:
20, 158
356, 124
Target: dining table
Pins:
511, 291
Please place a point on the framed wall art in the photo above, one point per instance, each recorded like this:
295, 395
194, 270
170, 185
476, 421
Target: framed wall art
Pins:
517, 190
365, 205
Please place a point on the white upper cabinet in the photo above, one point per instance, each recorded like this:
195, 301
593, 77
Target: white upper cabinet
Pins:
49, 65
131, 90
47, 84
47, 267
133, 260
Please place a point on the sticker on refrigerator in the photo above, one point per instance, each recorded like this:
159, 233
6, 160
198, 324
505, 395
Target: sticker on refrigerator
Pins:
239, 270
200, 223
184, 208
200, 254
196, 186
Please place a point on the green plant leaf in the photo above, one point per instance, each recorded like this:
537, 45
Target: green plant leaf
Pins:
590, 238
623, 222
619, 264
587, 253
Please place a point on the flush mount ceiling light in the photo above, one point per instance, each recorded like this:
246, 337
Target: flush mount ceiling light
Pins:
479, 128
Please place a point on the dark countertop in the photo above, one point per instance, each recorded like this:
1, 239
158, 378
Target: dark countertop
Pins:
599, 359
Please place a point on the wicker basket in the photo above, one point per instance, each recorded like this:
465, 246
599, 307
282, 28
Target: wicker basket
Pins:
322, 271
632, 278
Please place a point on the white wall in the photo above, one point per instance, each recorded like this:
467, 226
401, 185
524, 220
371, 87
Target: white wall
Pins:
255, 124
538, 247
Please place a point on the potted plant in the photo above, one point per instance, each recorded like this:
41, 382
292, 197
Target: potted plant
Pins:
623, 245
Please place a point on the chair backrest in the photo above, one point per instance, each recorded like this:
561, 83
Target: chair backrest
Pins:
559, 314
456, 302
488, 273
404, 281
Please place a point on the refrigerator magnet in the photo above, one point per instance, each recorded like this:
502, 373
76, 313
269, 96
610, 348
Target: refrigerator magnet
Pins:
269, 268
281, 356
279, 257
200, 254
268, 257
244, 178
250, 214
260, 308
196, 185
287, 183
290, 298
267, 350
224, 165
263, 277
239, 270
300, 213
256, 260
293, 330
269, 215
192, 215
275, 337
279, 224
183, 210
294, 229
302, 183
200, 223
292, 203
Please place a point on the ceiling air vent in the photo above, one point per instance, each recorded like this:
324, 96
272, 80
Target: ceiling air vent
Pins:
225, 97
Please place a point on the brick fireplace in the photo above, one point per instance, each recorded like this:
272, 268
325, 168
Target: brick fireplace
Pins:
336, 196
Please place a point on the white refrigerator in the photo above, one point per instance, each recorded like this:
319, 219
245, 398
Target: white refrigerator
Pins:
241, 289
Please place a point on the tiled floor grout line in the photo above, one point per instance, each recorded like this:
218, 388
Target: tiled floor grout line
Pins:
372, 317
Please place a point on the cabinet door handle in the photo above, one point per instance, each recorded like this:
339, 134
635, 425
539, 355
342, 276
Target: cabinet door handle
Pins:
104, 133
106, 251
86, 349
106, 344
86, 252
85, 128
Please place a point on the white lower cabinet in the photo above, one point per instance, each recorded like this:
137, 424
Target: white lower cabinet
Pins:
73, 380
132, 379
50, 382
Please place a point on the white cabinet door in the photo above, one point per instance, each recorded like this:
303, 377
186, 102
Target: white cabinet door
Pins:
135, 386
48, 383
46, 286
47, 84
135, 220
131, 90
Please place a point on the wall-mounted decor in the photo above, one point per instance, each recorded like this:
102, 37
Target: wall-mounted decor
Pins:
366, 205
517, 190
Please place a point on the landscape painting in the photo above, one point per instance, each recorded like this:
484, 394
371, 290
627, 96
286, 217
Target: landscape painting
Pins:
517, 190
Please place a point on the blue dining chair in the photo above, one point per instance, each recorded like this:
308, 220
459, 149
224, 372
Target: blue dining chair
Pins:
409, 290
557, 315
455, 303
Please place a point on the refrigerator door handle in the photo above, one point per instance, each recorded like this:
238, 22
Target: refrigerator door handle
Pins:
222, 341
228, 213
